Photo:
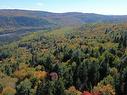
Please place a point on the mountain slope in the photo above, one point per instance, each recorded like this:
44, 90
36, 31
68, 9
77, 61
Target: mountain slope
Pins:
13, 20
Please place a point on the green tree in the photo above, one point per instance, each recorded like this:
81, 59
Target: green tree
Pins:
24, 87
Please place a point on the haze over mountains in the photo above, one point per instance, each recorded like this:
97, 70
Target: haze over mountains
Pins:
22, 20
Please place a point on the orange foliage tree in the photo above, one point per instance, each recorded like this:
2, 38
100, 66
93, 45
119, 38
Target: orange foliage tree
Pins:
40, 74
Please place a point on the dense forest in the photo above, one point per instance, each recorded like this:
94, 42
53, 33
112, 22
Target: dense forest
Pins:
89, 59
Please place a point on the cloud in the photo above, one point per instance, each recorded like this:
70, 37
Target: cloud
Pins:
39, 4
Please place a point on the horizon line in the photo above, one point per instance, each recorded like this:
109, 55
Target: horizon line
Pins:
37, 10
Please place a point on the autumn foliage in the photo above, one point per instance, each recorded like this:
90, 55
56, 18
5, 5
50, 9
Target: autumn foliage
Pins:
40, 74
90, 59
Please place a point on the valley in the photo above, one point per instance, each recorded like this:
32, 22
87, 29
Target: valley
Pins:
44, 53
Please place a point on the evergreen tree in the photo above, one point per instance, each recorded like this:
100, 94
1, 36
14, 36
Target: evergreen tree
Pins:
24, 87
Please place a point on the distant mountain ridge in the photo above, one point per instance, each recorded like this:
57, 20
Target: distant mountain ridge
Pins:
12, 19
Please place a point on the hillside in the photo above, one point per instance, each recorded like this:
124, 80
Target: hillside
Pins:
15, 20
90, 59
44, 53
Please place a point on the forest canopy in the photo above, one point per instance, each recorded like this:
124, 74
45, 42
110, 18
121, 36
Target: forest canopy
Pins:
90, 59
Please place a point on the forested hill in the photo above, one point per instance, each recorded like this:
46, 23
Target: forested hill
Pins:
84, 60
14, 20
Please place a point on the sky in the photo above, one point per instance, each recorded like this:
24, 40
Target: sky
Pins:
107, 7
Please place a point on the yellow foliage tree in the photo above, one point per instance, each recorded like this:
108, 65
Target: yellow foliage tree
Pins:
9, 91
73, 90
104, 89
22, 73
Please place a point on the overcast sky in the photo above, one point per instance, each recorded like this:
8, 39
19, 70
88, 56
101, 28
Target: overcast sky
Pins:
109, 7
